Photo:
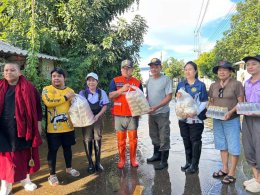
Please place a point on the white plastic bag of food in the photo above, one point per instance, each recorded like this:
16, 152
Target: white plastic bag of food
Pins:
185, 105
137, 102
80, 112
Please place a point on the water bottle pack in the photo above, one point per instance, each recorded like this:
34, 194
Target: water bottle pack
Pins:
216, 112
248, 108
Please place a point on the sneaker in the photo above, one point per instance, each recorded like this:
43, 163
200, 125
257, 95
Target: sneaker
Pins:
53, 180
247, 182
29, 186
73, 172
253, 187
6, 188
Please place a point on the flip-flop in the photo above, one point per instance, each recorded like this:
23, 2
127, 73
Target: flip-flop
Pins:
228, 179
219, 174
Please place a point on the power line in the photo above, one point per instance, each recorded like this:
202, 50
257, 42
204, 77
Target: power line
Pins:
199, 15
197, 28
204, 15
223, 24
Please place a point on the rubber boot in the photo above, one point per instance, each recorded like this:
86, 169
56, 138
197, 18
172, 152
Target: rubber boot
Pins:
97, 147
196, 151
88, 149
121, 141
164, 160
156, 155
188, 154
132, 136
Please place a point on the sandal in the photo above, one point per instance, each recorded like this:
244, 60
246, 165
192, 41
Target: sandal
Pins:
73, 172
228, 179
53, 180
219, 174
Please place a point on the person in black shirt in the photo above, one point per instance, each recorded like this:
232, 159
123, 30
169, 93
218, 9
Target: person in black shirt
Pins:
20, 123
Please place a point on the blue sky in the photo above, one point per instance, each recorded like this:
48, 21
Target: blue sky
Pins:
172, 24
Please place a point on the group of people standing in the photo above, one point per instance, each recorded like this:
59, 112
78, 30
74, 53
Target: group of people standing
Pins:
226, 92
21, 115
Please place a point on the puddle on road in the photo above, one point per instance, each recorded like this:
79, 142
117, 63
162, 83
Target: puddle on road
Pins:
144, 179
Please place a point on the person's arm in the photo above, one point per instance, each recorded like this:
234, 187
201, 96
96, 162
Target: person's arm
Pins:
114, 93
102, 111
203, 98
211, 102
165, 101
105, 101
81, 93
239, 92
233, 110
53, 100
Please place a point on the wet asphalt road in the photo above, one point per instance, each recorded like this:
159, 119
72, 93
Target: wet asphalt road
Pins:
142, 180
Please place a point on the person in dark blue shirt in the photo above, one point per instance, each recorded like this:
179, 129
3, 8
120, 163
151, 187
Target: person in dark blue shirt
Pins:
192, 127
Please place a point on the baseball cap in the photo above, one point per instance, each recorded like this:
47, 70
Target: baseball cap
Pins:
257, 58
155, 61
223, 64
92, 74
127, 63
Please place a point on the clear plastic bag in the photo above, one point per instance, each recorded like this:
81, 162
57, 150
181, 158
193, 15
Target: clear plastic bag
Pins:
80, 112
137, 102
185, 105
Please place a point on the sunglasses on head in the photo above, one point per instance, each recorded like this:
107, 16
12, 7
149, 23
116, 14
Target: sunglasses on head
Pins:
221, 91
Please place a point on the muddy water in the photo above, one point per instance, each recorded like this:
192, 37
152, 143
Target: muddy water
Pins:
143, 180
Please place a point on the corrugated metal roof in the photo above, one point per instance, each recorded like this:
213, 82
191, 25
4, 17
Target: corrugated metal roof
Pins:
7, 48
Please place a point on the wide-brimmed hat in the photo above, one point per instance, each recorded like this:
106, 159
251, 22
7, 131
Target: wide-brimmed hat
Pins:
257, 58
223, 64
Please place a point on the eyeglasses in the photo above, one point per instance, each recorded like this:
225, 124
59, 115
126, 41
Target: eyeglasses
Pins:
221, 91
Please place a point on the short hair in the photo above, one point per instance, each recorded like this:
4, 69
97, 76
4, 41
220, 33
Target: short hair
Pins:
59, 71
14, 64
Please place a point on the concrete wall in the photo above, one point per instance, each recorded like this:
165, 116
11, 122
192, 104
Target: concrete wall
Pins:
242, 74
46, 67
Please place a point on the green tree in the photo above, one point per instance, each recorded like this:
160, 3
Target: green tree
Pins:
173, 68
32, 59
243, 37
206, 62
136, 72
78, 30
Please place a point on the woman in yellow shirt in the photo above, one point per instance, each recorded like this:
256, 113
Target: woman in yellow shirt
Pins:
60, 132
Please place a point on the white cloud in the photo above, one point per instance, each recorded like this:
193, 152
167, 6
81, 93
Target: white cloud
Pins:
172, 22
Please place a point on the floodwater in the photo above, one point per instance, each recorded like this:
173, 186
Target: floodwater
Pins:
144, 179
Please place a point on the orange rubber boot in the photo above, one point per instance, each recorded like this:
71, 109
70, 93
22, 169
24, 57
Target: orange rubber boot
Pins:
132, 136
121, 141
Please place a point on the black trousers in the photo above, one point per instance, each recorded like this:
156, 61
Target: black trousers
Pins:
190, 133
55, 140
